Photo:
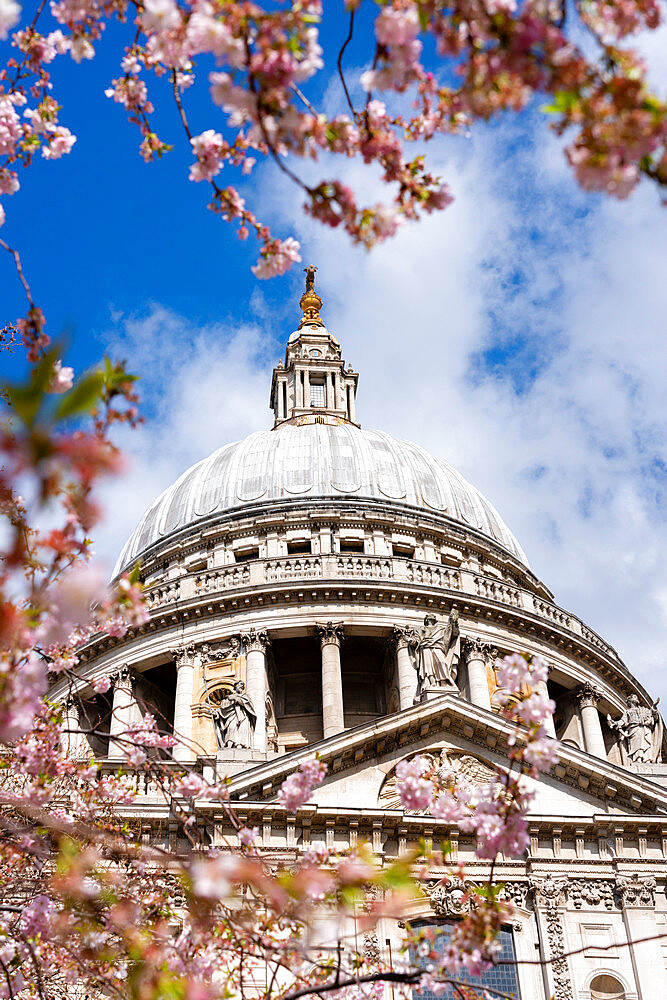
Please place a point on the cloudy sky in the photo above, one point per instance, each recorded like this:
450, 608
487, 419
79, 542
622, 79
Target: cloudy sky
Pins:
519, 336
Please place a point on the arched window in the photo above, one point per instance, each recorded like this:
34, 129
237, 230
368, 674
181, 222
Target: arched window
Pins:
502, 977
606, 987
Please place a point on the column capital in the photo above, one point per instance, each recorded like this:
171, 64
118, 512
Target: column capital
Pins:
255, 640
476, 649
183, 654
124, 676
405, 636
330, 634
635, 890
587, 695
550, 891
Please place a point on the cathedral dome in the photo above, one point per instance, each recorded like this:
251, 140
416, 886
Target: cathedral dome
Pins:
316, 461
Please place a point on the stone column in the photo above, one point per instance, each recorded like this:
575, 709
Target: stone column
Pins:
333, 719
541, 688
478, 654
587, 699
405, 670
72, 739
255, 643
124, 713
185, 676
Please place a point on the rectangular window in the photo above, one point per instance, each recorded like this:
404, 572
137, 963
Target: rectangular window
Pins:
298, 548
243, 555
351, 545
317, 394
403, 551
502, 978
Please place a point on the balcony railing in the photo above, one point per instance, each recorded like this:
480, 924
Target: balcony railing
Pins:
339, 567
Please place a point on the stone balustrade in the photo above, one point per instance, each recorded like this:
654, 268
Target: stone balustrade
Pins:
142, 782
350, 566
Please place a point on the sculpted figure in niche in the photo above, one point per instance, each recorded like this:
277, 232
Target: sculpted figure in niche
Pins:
437, 653
235, 718
639, 732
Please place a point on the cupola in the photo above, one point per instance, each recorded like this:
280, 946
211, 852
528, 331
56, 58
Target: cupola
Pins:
313, 386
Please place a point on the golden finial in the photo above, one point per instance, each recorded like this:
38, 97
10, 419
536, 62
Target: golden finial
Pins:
310, 301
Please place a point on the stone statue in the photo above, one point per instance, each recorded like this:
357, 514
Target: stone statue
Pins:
639, 732
235, 718
437, 653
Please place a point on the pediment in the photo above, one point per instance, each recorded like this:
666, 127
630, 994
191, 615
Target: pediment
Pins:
361, 765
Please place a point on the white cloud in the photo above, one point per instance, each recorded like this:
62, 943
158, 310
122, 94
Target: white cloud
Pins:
518, 336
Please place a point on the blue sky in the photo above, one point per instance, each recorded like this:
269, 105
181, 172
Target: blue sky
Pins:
519, 335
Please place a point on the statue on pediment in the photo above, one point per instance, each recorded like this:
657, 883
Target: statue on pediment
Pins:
235, 719
437, 651
639, 732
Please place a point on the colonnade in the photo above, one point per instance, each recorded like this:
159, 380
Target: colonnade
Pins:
476, 656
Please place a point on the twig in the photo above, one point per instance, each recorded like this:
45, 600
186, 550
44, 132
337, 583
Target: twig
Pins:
339, 63
19, 270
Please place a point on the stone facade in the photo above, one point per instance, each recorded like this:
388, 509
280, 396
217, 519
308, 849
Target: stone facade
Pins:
316, 601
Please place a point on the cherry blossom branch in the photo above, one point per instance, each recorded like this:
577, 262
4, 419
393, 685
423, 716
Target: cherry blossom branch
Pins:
19, 270
339, 63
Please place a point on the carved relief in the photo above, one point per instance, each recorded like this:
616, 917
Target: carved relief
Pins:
447, 761
451, 896
635, 890
371, 948
550, 894
593, 892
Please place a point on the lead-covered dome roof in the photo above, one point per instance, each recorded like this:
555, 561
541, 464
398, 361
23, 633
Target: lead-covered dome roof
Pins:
313, 460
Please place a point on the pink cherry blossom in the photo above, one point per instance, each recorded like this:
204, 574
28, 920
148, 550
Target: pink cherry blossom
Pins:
62, 378
296, 790
415, 790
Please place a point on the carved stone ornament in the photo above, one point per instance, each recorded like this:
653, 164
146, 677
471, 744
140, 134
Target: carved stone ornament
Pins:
559, 966
405, 637
331, 633
448, 762
515, 892
184, 654
371, 948
223, 650
476, 649
588, 696
549, 892
255, 640
592, 892
636, 890
450, 896
124, 677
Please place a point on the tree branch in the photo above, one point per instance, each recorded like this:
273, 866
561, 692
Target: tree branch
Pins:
339, 63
